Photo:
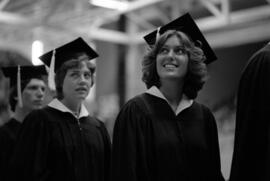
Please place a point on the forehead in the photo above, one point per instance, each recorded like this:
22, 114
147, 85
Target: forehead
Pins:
82, 65
173, 40
35, 81
83, 56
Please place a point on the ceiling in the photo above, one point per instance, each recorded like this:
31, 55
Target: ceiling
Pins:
224, 22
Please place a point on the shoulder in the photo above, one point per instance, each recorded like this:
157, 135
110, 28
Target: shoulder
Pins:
8, 126
93, 121
200, 107
203, 111
136, 104
40, 117
4, 131
261, 57
135, 100
45, 113
136, 112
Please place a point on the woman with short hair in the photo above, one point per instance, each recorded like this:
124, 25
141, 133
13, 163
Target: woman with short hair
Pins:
62, 141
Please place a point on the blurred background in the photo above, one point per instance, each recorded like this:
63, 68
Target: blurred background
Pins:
234, 28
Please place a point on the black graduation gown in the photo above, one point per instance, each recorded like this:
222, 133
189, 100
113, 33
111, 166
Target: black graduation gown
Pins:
251, 156
53, 146
8, 136
151, 143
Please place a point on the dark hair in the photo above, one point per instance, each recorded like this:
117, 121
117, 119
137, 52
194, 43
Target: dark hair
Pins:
73, 62
13, 92
197, 71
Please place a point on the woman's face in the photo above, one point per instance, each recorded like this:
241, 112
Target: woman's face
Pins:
77, 83
172, 60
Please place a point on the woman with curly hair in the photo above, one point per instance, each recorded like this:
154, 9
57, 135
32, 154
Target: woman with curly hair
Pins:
163, 134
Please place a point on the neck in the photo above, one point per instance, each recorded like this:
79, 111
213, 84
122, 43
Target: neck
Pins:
172, 90
74, 107
20, 113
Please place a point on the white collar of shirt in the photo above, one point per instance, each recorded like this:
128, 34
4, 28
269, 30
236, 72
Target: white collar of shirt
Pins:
56, 104
184, 103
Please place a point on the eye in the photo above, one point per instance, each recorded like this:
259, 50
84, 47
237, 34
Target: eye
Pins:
32, 87
87, 75
43, 89
164, 50
74, 74
180, 51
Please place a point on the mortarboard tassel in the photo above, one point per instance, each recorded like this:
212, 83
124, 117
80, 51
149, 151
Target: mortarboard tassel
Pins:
19, 90
158, 34
51, 75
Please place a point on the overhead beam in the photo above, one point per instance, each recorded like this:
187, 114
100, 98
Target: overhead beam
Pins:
232, 35
12, 18
140, 21
236, 18
211, 7
131, 6
108, 35
240, 35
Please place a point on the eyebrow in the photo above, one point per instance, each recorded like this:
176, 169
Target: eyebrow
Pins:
78, 70
178, 46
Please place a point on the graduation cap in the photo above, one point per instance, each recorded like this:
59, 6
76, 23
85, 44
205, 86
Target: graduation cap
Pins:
55, 58
186, 24
16, 74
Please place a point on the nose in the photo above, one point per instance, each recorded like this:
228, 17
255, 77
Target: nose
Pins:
40, 92
83, 79
171, 54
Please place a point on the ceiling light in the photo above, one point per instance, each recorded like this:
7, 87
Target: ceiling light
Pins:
37, 50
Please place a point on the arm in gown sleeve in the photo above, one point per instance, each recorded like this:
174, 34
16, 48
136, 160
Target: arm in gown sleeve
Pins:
29, 158
129, 153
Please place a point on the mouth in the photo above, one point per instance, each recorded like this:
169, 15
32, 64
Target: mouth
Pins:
38, 102
81, 89
170, 65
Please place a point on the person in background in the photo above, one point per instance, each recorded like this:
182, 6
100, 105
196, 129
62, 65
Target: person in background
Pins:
62, 141
32, 91
251, 156
164, 134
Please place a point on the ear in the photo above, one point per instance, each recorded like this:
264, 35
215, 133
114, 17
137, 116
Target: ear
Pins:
93, 80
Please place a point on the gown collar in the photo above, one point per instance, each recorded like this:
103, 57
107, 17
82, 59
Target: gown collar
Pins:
184, 103
56, 104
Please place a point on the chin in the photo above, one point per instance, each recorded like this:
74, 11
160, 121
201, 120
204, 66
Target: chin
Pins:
36, 107
176, 77
81, 97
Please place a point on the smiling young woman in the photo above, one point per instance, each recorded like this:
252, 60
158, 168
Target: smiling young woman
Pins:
164, 134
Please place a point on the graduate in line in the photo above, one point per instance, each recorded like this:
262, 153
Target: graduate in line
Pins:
27, 91
251, 156
164, 134
62, 141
